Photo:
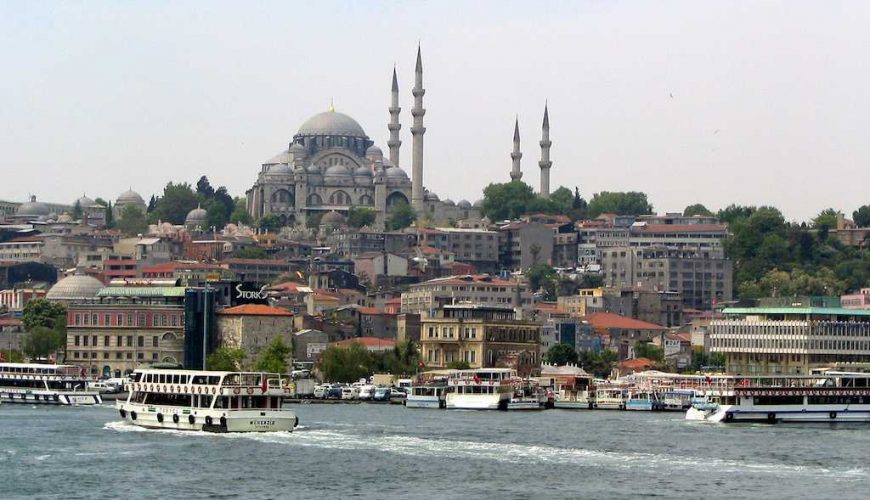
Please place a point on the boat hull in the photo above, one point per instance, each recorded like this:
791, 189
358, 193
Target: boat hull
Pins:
424, 402
639, 405
477, 401
50, 397
207, 420
571, 405
788, 414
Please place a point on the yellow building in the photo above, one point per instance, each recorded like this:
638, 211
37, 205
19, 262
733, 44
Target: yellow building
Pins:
483, 337
585, 302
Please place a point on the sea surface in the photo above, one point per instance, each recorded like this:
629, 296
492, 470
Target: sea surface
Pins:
387, 451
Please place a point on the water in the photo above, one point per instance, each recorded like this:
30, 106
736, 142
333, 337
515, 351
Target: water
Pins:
377, 451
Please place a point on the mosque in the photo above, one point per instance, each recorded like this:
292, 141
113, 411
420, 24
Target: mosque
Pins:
331, 165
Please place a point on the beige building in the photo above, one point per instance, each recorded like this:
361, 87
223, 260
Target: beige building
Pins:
483, 337
252, 327
586, 301
481, 289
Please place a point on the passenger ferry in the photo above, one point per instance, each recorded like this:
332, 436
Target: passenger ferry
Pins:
643, 401
427, 396
830, 397
32, 383
570, 384
527, 395
679, 399
609, 397
480, 389
208, 401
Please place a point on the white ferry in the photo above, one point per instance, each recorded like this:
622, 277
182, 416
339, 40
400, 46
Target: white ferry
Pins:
831, 397
643, 401
527, 395
207, 401
570, 384
609, 397
427, 396
32, 383
480, 389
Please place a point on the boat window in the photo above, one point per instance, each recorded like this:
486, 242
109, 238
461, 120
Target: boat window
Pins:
161, 379
199, 380
137, 377
214, 379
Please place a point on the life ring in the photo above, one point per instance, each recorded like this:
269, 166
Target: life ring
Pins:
123, 413
832, 415
213, 390
175, 418
132, 415
177, 388
171, 388
224, 422
236, 390
160, 417
191, 419
250, 390
199, 390
208, 421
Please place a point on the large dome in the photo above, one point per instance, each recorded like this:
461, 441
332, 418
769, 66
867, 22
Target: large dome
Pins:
331, 123
32, 208
73, 288
129, 197
196, 218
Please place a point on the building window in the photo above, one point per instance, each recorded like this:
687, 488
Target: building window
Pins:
106, 341
95, 319
76, 340
153, 341
141, 320
105, 355
154, 356
78, 319
129, 355
107, 319
94, 341
129, 341
174, 320
93, 355
85, 340
76, 355
140, 355
140, 341
129, 319
120, 320
85, 319
118, 355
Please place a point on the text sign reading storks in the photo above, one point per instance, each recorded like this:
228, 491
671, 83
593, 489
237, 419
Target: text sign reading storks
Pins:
248, 293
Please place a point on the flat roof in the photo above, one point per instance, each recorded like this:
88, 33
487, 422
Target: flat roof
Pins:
837, 311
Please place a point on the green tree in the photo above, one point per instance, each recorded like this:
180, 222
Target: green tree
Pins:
359, 217
132, 221
313, 220
273, 359
599, 363
110, 216
648, 351
250, 253
269, 222
204, 189
827, 218
733, 213
41, 341
619, 203
177, 201
697, 209
13, 356
561, 354
77, 211
563, 200
579, 207
216, 214
345, 364
506, 200
225, 359
458, 365
240, 213
42, 313
401, 216
543, 276
861, 217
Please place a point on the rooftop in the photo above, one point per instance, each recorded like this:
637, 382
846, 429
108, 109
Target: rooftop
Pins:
369, 342
611, 320
821, 311
255, 310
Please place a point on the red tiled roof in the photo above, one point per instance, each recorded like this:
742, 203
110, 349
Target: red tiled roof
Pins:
468, 278
10, 322
255, 310
262, 262
548, 307
369, 310
288, 286
637, 364
366, 342
610, 320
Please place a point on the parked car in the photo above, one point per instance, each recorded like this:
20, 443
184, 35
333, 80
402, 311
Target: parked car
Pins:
103, 387
381, 394
300, 374
334, 392
398, 393
349, 392
366, 392
321, 391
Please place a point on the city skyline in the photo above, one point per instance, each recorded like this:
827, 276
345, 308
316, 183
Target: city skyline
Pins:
684, 104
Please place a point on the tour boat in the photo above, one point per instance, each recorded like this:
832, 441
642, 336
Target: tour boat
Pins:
427, 396
480, 389
678, 399
32, 383
211, 401
608, 397
527, 396
829, 397
642, 401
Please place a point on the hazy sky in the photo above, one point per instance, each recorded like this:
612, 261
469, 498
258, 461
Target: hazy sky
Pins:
753, 103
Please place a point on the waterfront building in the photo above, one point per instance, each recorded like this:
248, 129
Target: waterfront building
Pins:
251, 328
523, 244
482, 336
481, 289
475, 246
620, 333
308, 344
584, 302
14, 299
860, 300
787, 339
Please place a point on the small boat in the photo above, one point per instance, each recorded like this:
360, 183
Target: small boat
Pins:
211, 401
609, 397
527, 396
32, 383
642, 401
427, 396
677, 399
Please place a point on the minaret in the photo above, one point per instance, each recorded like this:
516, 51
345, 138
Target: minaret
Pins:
417, 131
394, 126
545, 162
516, 155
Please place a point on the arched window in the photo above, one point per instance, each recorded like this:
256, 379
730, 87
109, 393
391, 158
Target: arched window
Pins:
366, 200
339, 198
169, 336
396, 197
281, 196
314, 199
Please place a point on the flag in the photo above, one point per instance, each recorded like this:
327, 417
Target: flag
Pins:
265, 383
476, 379
421, 364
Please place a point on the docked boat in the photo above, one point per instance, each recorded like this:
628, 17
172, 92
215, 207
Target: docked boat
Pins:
527, 395
608, 397
677, 399
427, 396
209, 401
570, 384
642, 401
32, 383
480, 389
829, 397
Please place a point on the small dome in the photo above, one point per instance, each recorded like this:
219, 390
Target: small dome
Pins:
430, 196
85, 202
282, 157
478, 204
280, 169
196, 218
129, 196
313, 169
374, 151
331, 123
332, 218
65, 218
297, 149
464, 204
449, 202
362, 172
338, 171
72, 288
32, 208
396, 173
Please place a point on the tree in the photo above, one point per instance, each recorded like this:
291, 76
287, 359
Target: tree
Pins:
77, 211
359, 217
217, 215
345, 364
177, 201
648, 351
579, 207
41, 341
204, 189
401, 216
506, 200
733, 213
240, 213
12, 356
697, 209
541, 275
827, 219
273, 359
269, 222
599, 363
110, 217
563, 199
313, 220
152, 204
458, 365
861, 217
561, 354
224, 198
619, 203
225, 359
250, 253
42, 313
132, 221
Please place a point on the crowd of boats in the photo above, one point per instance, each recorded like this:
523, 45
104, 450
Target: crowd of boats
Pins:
217, 401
